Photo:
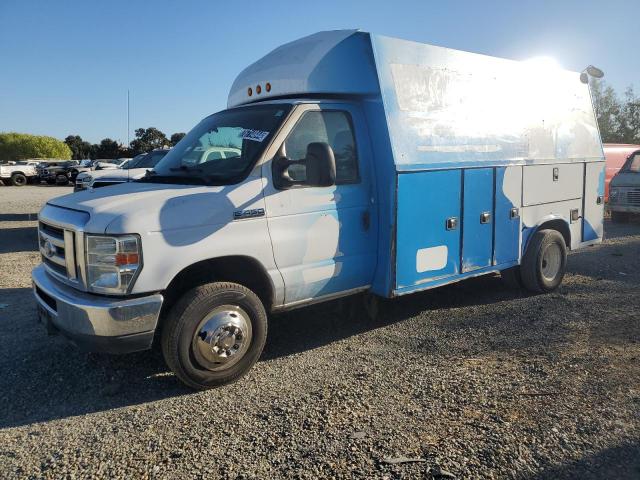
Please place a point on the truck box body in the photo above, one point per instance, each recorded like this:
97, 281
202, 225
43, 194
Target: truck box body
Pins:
454, 136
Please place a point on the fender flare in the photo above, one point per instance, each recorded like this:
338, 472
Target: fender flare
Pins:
553, 221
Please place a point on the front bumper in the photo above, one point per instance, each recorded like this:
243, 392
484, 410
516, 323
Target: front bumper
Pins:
94, 322
624, 208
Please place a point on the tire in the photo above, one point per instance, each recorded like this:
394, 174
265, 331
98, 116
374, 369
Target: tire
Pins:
545, 262
62, 179
209, 309
18, 180
512, 278
619, 217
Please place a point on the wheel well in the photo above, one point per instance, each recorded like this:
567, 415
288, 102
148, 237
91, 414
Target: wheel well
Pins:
16, 173
559, 225
246, 271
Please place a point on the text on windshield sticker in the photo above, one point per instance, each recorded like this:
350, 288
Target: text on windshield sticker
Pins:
255, 135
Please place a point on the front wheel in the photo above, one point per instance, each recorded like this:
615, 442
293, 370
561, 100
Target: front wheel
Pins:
214, 334
18, 180
62, 179
545, 261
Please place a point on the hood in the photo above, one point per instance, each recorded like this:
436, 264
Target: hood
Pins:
119, 174
150, 207
625, 179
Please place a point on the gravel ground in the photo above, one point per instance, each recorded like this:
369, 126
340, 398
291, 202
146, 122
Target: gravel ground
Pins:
471, 381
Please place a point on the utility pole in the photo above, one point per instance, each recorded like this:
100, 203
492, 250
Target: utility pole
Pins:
128, 120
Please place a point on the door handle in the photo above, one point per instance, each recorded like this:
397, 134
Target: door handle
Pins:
599, 200
452, 223
485, 217
366, 220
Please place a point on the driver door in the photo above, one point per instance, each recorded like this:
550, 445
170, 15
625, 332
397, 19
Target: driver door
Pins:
324, 238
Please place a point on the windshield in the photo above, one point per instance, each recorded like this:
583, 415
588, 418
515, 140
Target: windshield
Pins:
222, 148
145, 160
633, 164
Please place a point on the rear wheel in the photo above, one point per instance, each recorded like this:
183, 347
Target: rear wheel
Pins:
214, 334
18, 180
545, 261
619, 217
62, 179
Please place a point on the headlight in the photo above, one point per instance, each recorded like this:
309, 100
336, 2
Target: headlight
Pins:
614, 193
112, 262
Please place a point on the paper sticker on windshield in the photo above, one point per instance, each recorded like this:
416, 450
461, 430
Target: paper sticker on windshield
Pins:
255, 135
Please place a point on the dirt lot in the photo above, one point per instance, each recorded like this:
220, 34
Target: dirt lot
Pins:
471, 381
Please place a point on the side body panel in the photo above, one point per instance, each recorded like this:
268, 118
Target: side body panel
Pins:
535, 215
426, 249
508, 198
594, 179
552, 183
477, 219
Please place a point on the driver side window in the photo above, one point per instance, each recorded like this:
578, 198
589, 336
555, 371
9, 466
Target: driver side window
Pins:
332, 127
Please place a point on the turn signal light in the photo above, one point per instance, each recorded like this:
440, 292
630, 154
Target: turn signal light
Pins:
127, 259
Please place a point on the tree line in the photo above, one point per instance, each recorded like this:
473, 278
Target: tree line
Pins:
22, 146
146, 139
618, 116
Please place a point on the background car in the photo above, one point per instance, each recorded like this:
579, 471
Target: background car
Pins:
615, 154
109, 163
82, 166
130, 170
17, 174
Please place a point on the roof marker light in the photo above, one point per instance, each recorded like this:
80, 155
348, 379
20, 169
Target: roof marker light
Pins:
268, 87
258, 89
249, 91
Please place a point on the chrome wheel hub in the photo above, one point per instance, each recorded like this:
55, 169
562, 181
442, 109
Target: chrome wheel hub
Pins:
551, 261
222, 338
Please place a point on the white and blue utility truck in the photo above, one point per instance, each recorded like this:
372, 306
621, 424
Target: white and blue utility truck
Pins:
359, 164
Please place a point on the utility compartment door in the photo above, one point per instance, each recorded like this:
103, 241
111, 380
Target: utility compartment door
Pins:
477, 219
428, 230
552, 183
593, 201
507, 214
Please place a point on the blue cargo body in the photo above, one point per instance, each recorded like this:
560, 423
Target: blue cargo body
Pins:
469, 154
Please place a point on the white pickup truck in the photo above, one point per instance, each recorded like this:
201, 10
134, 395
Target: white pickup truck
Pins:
355, 164
18, 174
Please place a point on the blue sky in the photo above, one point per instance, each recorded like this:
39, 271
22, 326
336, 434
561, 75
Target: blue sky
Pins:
66, 65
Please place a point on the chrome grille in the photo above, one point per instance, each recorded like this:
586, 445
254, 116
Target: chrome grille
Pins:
633, 197
57, 249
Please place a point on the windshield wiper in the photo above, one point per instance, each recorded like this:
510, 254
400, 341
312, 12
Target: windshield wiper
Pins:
177, 179
184, 168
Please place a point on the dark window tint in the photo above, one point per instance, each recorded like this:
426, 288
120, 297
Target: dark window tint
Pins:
333, 128
633, 164
151, 159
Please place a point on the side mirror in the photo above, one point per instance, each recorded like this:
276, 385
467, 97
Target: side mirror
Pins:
321, 165
317, 169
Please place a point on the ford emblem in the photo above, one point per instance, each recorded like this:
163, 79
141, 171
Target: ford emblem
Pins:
49, 249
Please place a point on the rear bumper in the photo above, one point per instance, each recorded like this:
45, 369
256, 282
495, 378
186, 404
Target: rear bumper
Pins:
93, 322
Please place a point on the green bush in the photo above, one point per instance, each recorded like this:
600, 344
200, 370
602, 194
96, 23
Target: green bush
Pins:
20, 146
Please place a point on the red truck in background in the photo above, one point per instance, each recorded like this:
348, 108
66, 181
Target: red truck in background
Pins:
616, 154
